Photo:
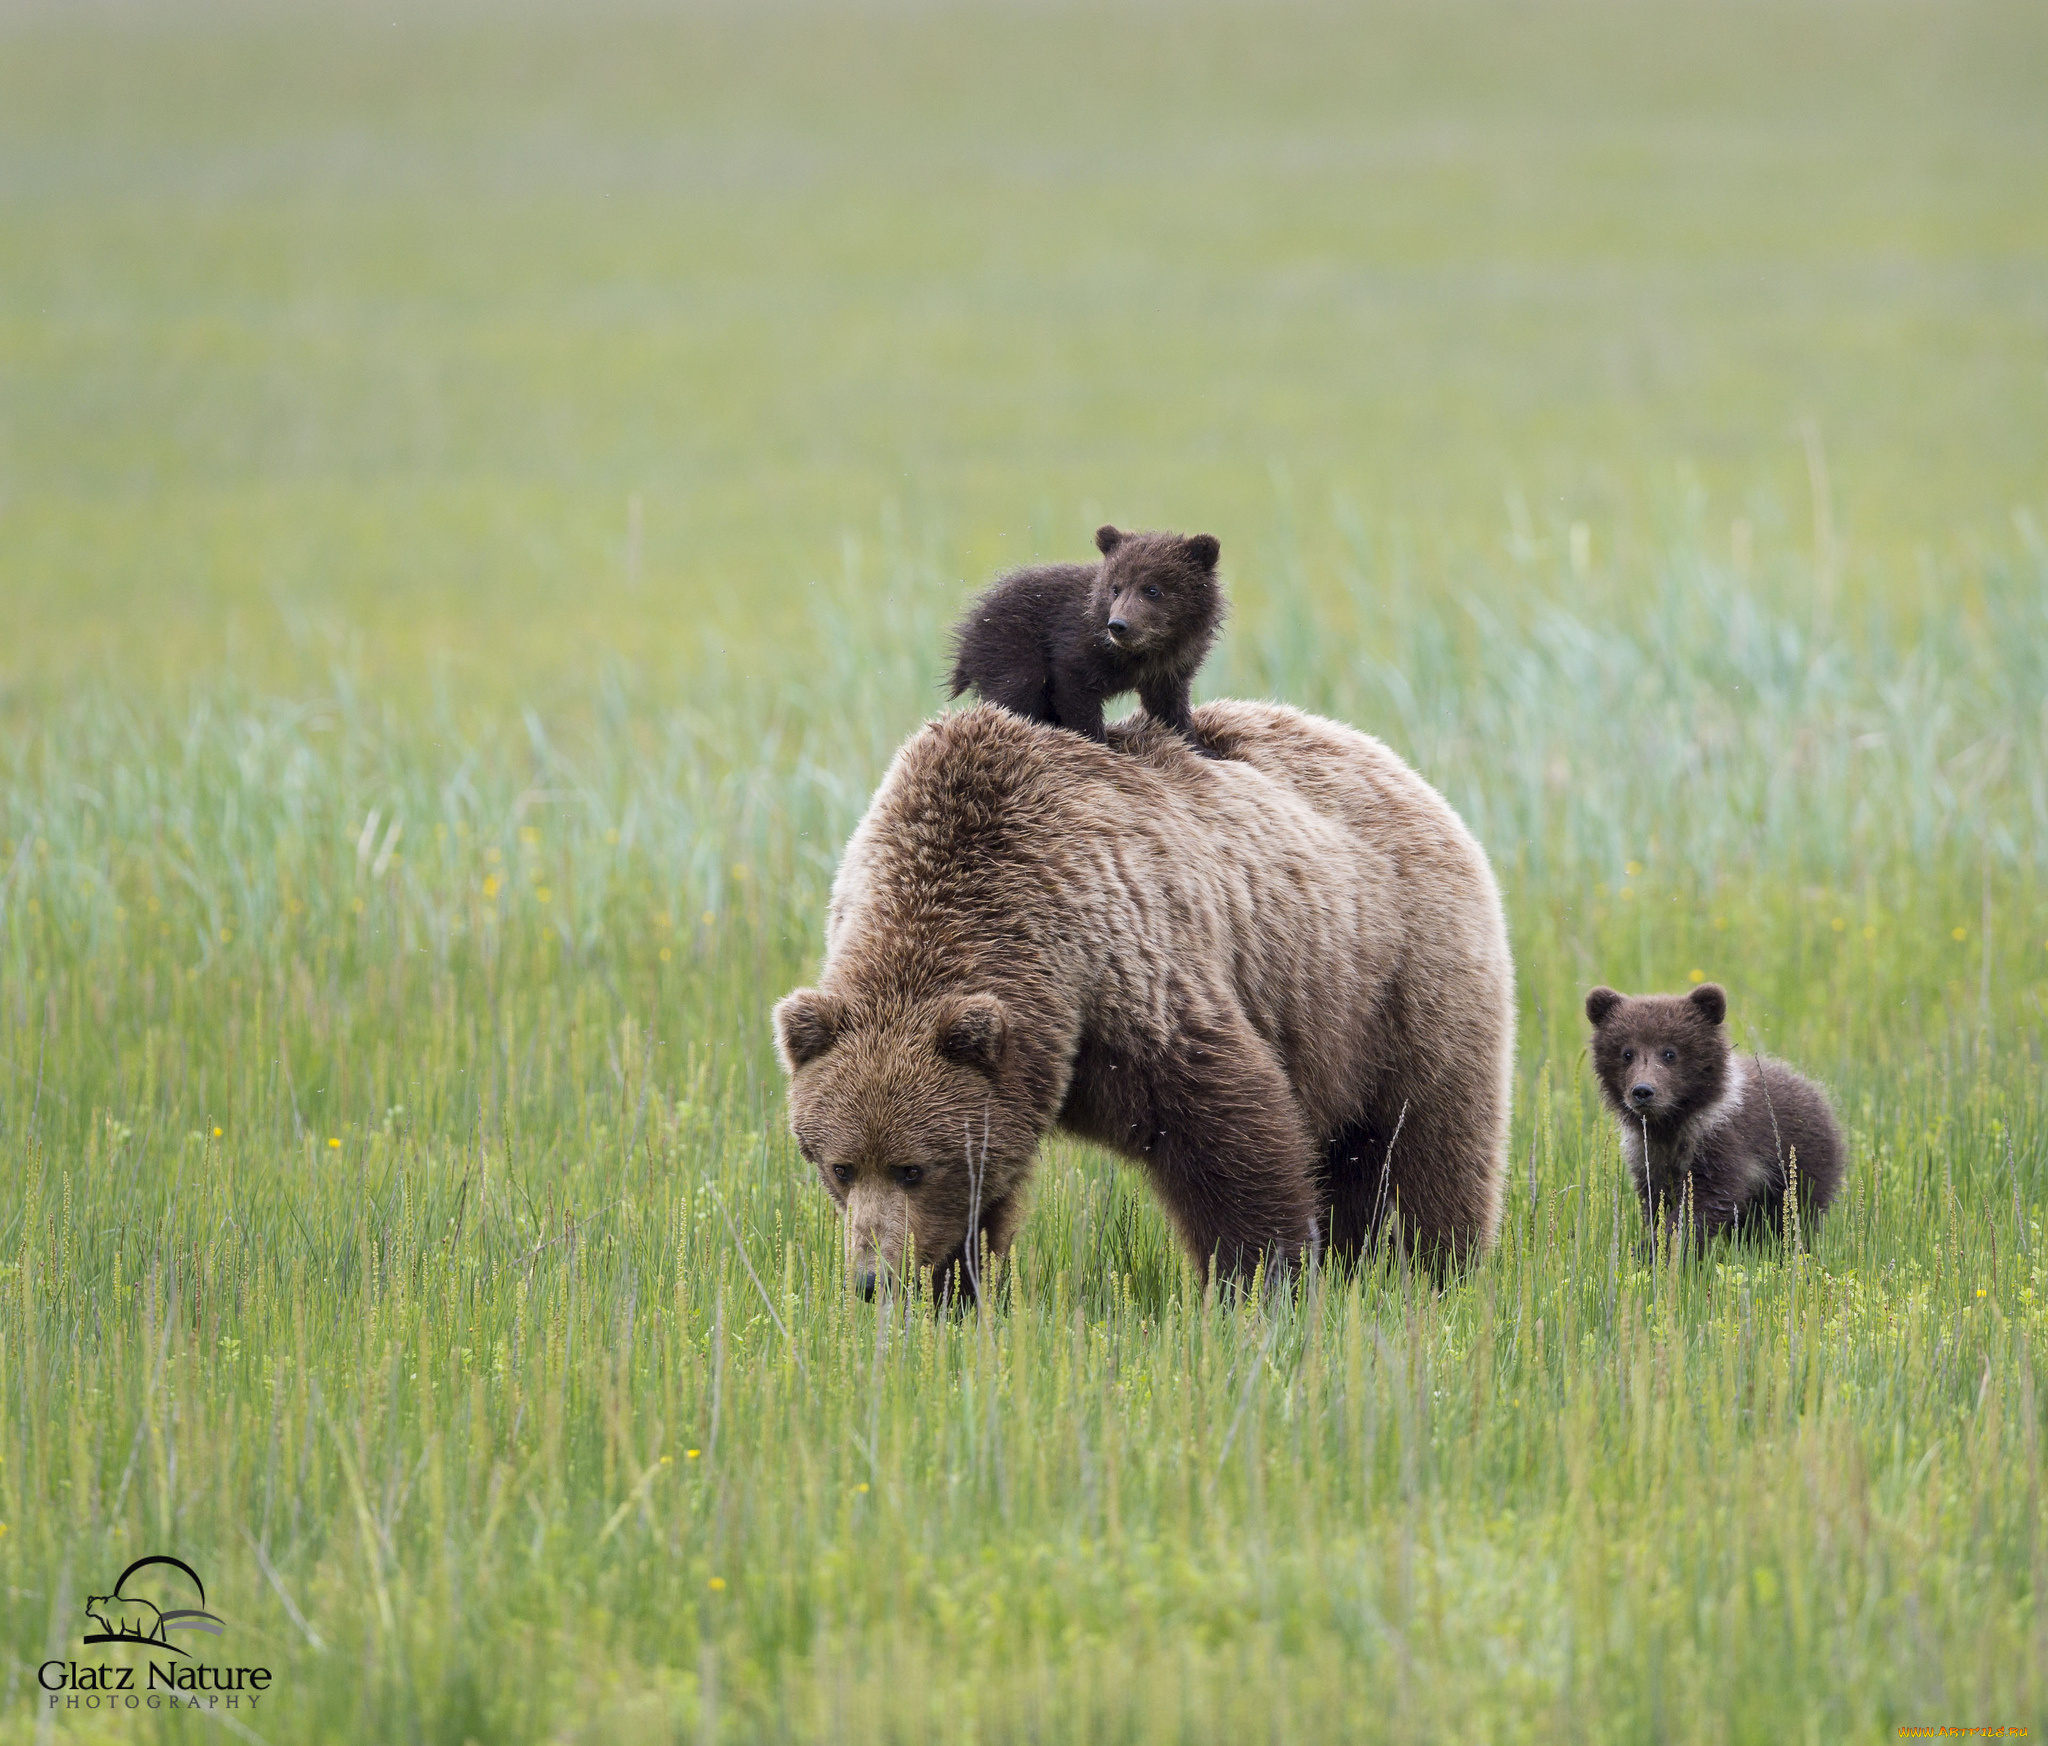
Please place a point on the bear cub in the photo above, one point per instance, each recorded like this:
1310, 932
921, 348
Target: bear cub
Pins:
1054, 643
1711, 1138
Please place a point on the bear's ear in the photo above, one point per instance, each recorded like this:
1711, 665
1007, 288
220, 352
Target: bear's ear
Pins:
1712, 1000
806, 1025
973, 1032
1108, 538
1204, 549
1600, 1003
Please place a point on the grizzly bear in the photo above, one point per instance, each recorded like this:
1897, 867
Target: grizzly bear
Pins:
1056, 642
1711, 1138
1277, 980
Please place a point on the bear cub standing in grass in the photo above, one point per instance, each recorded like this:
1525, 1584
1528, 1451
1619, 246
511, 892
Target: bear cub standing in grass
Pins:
1709, 1136
1056, 642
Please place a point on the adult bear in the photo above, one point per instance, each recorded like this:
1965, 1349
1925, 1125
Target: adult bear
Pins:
1277, 978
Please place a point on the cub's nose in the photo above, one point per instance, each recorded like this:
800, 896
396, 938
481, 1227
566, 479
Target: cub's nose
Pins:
1642, 1093
864, 1283
1117, 626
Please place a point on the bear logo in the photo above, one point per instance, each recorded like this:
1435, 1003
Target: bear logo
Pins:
119, 1616
131, 1618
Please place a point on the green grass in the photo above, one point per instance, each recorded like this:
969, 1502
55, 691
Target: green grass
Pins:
1636, 416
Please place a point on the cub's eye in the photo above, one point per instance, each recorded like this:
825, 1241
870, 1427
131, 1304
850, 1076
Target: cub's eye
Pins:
910, 1175
1671, 1054
1152, 591
843, 1171
1628, 1054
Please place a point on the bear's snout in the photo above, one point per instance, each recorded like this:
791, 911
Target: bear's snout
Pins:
877, 1230
1642, 1091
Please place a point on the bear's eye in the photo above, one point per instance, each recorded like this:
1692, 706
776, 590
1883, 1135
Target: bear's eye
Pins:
910, 1175
1152, 591
843, 1171
1628, 1054
1671, 1054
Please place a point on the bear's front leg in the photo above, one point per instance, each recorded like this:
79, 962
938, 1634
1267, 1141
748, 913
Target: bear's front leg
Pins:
1225, 1144
964, 1275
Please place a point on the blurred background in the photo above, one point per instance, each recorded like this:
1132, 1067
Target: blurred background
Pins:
498, 341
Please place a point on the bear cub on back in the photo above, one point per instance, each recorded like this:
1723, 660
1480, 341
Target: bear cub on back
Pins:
1711, 1138
1054, 643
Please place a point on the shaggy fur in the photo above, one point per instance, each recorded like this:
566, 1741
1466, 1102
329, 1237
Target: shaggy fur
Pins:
1245, 974
1055, 643
1711, 1137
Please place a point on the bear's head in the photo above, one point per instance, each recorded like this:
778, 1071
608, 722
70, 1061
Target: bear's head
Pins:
1660, 1058
1158, 591
909, 1112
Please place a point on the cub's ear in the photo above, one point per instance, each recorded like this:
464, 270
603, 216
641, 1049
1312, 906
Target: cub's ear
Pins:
1711, 1000
806, 1025
1204, 549
973, 1032
1600, 1003
1108, 538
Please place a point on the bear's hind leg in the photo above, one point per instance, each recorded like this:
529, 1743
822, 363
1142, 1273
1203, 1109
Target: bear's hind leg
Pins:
1356, 1188
1448, 1170
1423, 1165
1077, 703
1023, 691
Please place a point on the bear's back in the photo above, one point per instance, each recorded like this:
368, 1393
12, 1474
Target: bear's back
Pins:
1006, 641
1295, 877
984, 815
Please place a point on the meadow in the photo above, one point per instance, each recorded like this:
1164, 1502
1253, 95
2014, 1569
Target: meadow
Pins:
481, 498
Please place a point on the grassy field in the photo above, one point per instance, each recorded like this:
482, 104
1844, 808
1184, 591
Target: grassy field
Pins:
481, 494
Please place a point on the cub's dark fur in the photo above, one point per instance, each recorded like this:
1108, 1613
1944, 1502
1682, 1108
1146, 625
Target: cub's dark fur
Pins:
1711, 1136
1056, 642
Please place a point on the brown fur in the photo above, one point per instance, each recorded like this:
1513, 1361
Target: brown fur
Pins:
1244, 974
1057, 642
1710, 1136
